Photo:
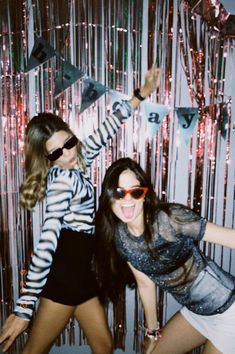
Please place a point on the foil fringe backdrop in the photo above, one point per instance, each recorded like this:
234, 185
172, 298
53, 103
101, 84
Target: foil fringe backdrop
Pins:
114, 42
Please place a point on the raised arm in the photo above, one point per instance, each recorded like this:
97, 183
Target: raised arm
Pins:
110, 126
220, 235
152, 81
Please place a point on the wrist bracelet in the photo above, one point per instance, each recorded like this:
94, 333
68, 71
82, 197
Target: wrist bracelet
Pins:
138, 95
153, 333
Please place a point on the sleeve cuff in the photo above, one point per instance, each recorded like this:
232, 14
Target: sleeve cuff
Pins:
124, 110
25, 315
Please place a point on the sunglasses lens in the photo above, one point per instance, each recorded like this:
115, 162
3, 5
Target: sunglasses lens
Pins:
137, 193
118, 193
71, 143
55, 154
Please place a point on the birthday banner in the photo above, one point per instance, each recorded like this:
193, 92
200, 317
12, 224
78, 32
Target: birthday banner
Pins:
152, 113
67, 75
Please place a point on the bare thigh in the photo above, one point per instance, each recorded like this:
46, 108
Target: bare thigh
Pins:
93, 320
178, 337
51, 318
210, 349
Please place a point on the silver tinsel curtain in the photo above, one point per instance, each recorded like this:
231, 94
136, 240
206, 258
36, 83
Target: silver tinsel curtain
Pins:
115, 42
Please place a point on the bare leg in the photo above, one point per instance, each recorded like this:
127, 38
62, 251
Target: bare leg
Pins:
50, 320
178, 337
92, 319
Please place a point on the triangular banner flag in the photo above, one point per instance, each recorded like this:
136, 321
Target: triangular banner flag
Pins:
187, 118
116, 100
153, 113
41, 52
91, 92
67, 75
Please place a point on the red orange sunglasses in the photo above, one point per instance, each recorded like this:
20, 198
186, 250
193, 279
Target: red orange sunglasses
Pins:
135, 192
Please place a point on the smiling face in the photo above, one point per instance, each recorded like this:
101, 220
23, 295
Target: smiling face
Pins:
128, 209
69, 157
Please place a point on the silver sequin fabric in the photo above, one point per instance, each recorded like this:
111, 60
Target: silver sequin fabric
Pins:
175, 262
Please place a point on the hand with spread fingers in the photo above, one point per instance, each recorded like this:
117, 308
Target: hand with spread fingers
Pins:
12, 328
152, 80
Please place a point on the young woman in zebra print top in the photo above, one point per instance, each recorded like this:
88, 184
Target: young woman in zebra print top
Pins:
60, 270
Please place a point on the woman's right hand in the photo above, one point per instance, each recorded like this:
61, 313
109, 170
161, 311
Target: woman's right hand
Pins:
152, 81
12, 328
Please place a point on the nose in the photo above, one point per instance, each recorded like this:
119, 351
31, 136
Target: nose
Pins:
66, 152
128, 196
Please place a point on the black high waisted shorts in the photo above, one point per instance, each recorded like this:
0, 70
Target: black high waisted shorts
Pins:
71, 281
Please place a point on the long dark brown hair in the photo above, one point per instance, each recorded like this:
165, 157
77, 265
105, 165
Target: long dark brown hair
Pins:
112, 272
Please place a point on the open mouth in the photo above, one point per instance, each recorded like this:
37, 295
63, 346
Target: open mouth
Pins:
128, 210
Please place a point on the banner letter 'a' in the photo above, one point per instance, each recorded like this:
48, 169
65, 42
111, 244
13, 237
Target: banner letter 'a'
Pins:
153, 113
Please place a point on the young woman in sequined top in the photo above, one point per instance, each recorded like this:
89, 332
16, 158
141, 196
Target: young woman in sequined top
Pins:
160, 244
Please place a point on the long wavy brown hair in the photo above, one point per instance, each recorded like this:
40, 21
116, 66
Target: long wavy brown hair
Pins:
112, 272
38, 131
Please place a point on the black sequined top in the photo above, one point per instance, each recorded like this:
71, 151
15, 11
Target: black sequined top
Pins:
176, 264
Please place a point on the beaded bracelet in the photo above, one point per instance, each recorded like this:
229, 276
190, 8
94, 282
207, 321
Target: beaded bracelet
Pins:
153, 333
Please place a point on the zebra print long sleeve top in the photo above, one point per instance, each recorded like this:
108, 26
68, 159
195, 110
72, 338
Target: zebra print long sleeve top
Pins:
69, 203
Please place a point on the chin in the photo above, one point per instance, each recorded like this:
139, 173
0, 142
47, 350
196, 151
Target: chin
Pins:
128, 220
72, 163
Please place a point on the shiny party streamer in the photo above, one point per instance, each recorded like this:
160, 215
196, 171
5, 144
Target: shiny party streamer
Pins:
113, 43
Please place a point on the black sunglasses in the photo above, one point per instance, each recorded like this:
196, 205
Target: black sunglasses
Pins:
136, 192
70, 143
